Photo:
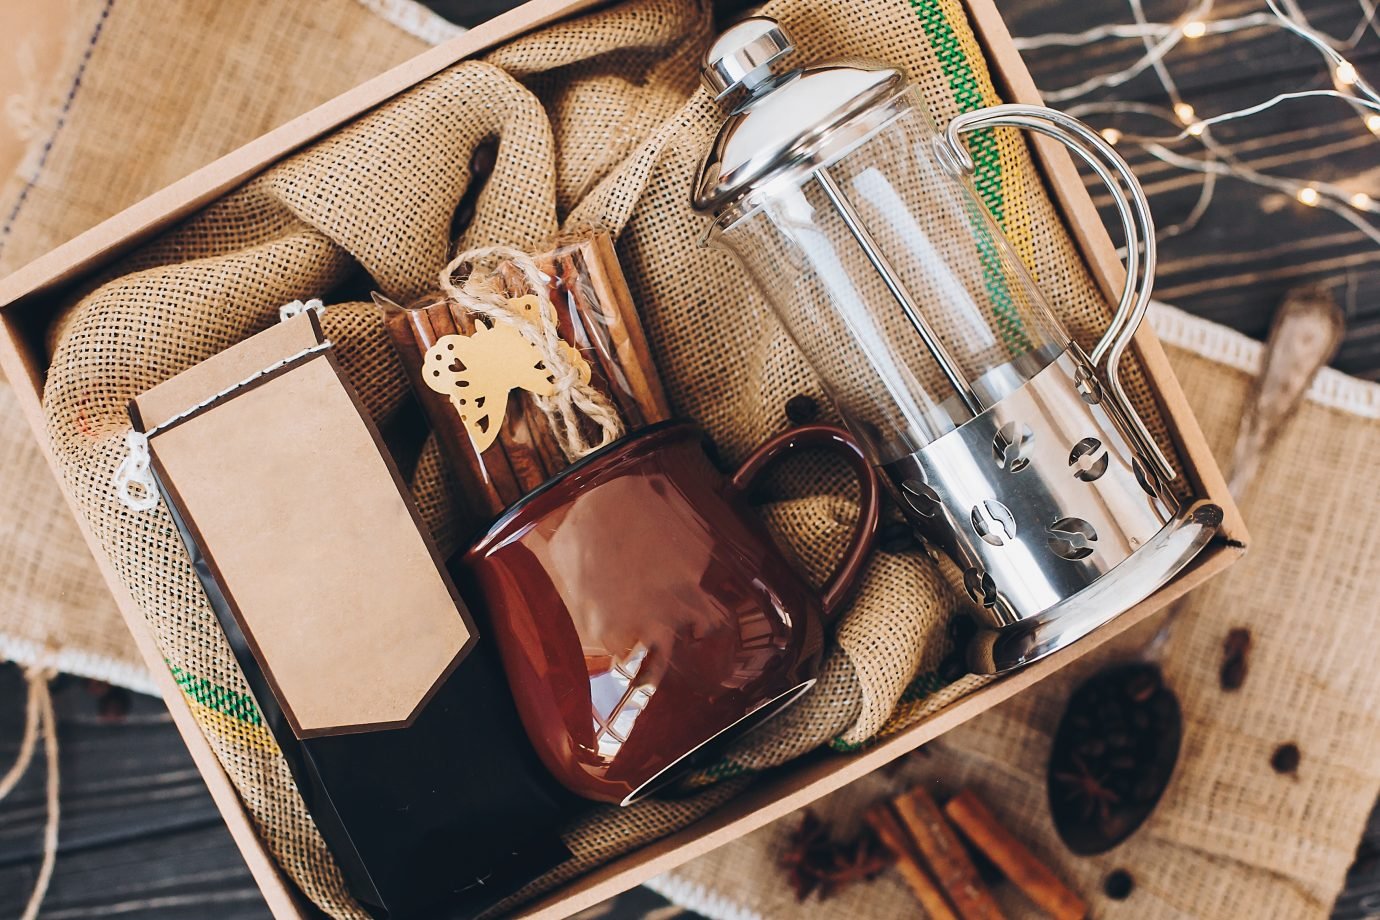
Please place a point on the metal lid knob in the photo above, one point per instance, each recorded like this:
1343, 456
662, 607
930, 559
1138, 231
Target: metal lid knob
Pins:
742, 55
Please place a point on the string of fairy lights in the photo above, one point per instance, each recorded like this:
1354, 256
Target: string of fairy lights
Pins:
1214, 160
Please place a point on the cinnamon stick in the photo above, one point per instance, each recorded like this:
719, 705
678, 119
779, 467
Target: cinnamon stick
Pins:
492, 466
574, 276
625, 327
519, 444
1017, 863
894, 837
944, 853
572, 329
527, 436
413, 331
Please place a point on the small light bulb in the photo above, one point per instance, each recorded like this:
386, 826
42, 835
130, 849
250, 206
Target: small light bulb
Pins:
1111, 135
1195, 28
1185, 112
1309, 196
1346, 74
1361, 201
1373, 123
1196, 129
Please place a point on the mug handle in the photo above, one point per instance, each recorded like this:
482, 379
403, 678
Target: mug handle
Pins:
838, 590
1137, 224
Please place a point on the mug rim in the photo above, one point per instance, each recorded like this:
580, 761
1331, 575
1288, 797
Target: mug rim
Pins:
605, 453
760, 715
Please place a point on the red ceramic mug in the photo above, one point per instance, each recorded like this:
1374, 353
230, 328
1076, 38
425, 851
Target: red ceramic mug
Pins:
645, 615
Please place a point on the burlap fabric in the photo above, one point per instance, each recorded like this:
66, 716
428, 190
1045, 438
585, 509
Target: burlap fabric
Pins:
599, 122
145, 93
1232, 837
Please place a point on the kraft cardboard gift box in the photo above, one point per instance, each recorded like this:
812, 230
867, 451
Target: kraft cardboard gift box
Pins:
30, 297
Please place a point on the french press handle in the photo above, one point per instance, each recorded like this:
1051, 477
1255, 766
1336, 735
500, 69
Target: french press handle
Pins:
1136, 222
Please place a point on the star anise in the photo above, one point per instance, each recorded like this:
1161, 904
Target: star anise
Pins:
817, 863
1087, 790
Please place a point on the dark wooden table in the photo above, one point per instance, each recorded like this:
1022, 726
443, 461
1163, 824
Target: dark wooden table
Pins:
139, 835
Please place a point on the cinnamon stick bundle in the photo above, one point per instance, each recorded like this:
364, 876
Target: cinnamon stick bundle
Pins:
588, 282
944, 853
594, 314
1035, 880
908, 862
936, 866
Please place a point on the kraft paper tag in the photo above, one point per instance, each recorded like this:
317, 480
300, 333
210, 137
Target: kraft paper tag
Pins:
294, 505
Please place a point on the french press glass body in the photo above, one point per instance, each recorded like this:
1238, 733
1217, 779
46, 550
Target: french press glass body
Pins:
1010, 449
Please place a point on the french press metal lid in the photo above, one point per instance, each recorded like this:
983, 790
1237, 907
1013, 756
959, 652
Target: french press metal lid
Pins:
871, 233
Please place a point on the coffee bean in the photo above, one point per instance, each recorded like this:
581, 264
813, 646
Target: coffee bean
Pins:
802, 409
1286, 758
896, 537
1118, 885
1235, 648
483, 159
952, 668
961, 630
1092, 747
1142, 684
1147, 789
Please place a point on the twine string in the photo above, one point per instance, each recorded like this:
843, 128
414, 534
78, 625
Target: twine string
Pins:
573, 399
39, 721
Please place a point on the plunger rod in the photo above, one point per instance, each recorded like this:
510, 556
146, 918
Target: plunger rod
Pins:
869, 246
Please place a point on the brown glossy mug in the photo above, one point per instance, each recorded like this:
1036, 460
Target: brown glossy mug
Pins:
643, 612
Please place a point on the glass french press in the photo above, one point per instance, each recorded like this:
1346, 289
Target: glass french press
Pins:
1009, 448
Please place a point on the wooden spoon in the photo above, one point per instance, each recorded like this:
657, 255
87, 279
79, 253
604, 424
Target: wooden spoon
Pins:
1118, 741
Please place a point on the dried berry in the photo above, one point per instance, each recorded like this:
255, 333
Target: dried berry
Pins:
817, 863
483, 159
952, 668
896, 537
1118, 885
1286, 758
1235, 648
802, 409
961, 630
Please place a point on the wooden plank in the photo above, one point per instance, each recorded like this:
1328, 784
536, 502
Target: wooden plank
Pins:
1253, 243
139, 834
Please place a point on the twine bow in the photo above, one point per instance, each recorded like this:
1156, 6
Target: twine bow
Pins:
573, 397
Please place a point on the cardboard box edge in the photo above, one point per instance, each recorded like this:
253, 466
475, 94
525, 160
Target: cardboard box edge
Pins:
828, 772
1084, 224
279, 894
151, 215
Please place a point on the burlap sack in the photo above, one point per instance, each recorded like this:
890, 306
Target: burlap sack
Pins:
144, 93
1231, 837
605, 127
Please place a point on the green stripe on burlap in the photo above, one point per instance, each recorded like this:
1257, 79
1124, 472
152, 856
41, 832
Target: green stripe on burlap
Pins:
217, 698
921, 686
987, 174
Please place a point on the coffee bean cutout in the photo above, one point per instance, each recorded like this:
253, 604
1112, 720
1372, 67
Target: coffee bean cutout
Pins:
802, 409
1286, 758
1118, 885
